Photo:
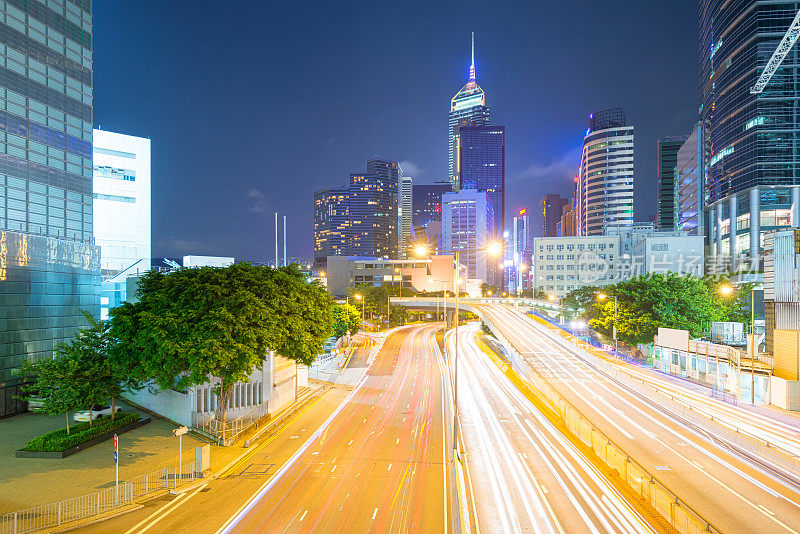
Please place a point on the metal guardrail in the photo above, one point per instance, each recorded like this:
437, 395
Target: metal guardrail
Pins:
227, 432
69, 510
676, 511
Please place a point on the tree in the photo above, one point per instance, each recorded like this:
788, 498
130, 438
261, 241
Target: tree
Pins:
645, 303
489, 290
345, 321
398, 316
79, 375
194, 324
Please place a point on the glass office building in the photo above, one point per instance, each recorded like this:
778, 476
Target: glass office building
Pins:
482, 165
604, 194
667, 161
331, 223
49, 266
751, 142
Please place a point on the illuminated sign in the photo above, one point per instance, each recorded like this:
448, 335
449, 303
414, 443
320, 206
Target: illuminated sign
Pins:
522, 211
717, 157
758, 121
477, 100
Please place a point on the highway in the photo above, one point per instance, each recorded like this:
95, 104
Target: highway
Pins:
733, 494
525, 475
381, 466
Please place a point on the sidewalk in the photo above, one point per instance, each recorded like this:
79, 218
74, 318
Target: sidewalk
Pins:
29, 482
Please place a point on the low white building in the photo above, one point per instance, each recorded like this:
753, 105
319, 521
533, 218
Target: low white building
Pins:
562, 264
662, 253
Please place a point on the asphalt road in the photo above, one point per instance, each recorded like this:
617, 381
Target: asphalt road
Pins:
525, 475
376, 463
734, 494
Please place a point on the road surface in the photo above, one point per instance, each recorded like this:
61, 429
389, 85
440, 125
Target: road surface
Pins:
525, 475
734, 495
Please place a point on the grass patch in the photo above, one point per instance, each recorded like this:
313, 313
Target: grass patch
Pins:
58, 440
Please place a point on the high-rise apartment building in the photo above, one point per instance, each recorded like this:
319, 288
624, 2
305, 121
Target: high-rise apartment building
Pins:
121, 200
751, 141
331, 223
689, 174
552, 207
467, 108
49, 265
482, 166
465, 227
667, 160
404, 203
520, 251
605, 181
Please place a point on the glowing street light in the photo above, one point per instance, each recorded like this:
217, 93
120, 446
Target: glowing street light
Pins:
726, 290
603, 296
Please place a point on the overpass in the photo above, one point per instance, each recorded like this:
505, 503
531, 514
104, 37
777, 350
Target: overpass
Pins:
473, 305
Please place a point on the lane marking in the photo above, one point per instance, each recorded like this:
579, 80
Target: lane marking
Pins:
157, 512
374, 513
166, 513
304, 515
389, 468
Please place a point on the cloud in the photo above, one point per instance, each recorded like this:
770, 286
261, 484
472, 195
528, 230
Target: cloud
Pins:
259, 202
411, 169
556, 172
333, 142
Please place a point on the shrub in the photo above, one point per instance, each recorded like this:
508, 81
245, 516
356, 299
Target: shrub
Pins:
58, 440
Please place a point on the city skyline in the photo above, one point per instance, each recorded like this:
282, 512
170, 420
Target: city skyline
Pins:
544, 126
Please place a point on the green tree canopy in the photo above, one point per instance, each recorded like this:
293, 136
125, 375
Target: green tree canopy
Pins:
193, 324
346, 318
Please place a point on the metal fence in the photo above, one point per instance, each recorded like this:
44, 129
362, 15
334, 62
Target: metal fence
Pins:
227, 432
78, 508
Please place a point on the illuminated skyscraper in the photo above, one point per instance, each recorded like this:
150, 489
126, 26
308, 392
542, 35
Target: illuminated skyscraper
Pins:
605, 181
404, 188
751, 172
49, 265
552, 208
331, 222
467, 108
483, 168
667, 161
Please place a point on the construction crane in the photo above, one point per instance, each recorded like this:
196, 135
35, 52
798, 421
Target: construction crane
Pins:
777, 57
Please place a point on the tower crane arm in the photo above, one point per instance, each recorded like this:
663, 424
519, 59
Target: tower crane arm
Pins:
777, 57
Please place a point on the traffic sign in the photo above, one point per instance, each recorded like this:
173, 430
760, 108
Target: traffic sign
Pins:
116, 447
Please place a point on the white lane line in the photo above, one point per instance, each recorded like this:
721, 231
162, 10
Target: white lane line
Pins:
374, 513
351, 442
389, 468
333, 469
304, 515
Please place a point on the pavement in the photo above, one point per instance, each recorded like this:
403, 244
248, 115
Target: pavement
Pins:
369, 459
526, 475
733, 493
28, 482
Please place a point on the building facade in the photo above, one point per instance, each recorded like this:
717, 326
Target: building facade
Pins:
121, 200
404, 209
465, 227
427, 203
467, 108
483, 168
567, 223
373, 210
331, 223
605, 180
751, 141
520, 252
562, 264
552, 208
689, 194
49, 266
667, 161
430, 274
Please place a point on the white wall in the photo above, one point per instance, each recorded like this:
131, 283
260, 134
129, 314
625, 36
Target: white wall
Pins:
121, 199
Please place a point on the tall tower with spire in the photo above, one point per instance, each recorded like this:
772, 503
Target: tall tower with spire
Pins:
467, 108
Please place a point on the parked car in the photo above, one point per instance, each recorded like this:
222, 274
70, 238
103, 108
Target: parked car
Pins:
34, 403
98, 411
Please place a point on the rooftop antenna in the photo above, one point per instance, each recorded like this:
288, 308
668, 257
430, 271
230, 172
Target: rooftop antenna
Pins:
472, 66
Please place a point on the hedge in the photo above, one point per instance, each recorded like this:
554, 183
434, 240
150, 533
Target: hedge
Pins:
58, 440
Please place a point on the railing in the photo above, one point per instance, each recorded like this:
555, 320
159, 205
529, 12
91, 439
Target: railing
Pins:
63, 512
679, 514
227, 432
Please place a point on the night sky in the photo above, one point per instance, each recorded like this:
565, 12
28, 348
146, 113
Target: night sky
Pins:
252, 106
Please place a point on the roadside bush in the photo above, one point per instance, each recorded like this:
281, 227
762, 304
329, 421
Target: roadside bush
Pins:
58, 440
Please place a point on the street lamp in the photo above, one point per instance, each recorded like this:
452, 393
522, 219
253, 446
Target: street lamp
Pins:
603, 296
492, 249
358, 296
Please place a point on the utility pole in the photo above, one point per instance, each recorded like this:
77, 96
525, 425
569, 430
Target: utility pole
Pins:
276, 241
284, 241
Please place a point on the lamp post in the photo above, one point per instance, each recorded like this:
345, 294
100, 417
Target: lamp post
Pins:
491, 249
603, 296
358, 296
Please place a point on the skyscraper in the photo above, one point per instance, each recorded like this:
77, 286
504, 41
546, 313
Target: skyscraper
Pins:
467, 108
667, 159
605, 181
689, 196
751, 141
551, 206
404, 188
331, 223
521, 251
121, 200
49, 265
465, 227
566, 225
482, 165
